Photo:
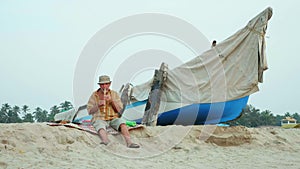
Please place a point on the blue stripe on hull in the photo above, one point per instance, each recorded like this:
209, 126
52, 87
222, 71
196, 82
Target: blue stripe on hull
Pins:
204, 113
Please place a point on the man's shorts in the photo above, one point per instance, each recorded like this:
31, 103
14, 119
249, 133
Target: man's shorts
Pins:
115, 124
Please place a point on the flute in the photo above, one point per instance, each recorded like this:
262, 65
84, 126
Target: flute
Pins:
104, 106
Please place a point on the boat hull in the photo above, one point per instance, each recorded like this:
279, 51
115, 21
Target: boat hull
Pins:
202, 113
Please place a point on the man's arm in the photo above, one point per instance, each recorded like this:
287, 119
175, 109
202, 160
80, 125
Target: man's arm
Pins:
93, 110
92, 105
116, 102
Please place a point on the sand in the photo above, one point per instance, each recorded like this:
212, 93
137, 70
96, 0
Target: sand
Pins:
38, 145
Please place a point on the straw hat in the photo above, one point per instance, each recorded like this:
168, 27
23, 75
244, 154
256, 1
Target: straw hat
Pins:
104, 79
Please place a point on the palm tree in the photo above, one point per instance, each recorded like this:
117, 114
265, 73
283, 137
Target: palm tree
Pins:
40, 115
250, 117
66, 106
4, 113
287, 114
27, 116
53, 111
267, 118
296, 116
278, 119
25, 109
14, 115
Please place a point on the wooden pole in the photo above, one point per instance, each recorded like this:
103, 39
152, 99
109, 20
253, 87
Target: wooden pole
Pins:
153, 103
125, 96
79, 109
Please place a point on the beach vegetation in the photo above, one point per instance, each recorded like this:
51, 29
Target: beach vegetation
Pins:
15, 114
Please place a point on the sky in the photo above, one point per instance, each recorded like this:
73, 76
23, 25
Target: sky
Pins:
41, 43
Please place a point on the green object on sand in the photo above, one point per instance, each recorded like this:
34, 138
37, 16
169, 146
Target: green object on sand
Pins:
131, 123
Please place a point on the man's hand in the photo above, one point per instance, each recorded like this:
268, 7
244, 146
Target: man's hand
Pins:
101, 103
107, 98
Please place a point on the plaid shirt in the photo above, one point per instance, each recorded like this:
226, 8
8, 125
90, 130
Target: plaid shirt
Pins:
108, 111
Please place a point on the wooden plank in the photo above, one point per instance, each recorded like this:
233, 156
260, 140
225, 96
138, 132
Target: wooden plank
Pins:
153, 103
125, 97
79, 109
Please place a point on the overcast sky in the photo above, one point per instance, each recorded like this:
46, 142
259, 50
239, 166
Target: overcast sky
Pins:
41, 42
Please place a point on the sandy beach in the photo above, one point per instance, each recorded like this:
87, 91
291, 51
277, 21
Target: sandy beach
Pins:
37, 145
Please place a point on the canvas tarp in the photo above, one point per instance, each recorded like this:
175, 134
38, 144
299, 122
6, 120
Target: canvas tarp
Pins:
229, 71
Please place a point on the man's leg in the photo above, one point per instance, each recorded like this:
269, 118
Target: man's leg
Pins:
103, 136
126, 135
119, 124
100, 126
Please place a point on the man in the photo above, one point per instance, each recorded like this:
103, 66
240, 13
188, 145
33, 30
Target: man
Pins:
104, 104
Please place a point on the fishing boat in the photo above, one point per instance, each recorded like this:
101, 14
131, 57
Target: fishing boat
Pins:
212, 88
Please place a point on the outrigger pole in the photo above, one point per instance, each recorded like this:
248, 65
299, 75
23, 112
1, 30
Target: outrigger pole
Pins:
154, 98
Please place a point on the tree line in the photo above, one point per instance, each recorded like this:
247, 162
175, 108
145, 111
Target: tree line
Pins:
253, 117
250, 116
16, 114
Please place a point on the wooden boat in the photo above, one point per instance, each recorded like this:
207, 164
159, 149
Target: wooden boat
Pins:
210, 89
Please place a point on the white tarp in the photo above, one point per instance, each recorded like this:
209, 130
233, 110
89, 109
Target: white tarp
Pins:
226, 72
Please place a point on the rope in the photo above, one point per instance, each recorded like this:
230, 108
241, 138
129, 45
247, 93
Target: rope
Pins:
256, 31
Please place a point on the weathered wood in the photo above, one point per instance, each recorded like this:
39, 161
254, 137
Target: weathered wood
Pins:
153, 103
125, 97
79, 109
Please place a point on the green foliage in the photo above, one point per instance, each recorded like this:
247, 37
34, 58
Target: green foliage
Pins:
40, 115
16, 114
28, 118
249, 117
266, 118
252, 117
53, 111
13, 115
66, 106
296, 116
9, 115
4, 113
